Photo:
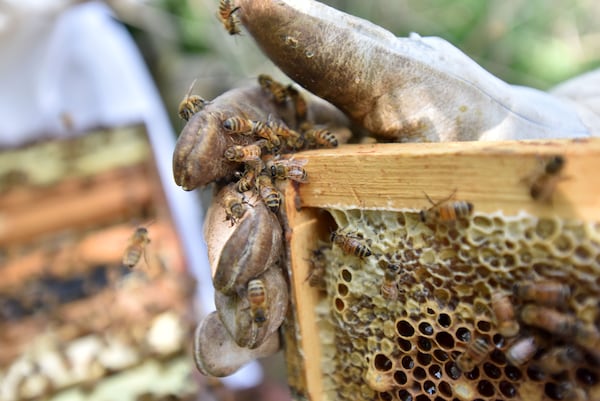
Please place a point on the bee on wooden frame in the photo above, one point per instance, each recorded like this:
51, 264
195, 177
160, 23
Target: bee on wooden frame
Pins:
544, 179
445, 211
257, 296
136, 247
287, 169
228, 18
350, 244
316, 276
320, 138
191, 104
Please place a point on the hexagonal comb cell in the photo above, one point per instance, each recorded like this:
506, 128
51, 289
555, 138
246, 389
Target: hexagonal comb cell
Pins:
494, 308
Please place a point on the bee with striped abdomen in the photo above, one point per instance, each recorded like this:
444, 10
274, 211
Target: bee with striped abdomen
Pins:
504, 312
389, 287
248, 153
246, 179
320, 138
292, 138
262, 130
278, 90
268, 193
235, 206
238, 125
191, 104
228, 18
257, 296
445, 211
350, 244
543, 180
288, 169
475, 353
546, 292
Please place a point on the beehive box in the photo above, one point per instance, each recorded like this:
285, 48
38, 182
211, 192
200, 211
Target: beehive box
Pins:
74, 321
348, 341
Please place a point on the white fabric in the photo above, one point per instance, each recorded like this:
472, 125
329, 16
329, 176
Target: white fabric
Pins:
82, 63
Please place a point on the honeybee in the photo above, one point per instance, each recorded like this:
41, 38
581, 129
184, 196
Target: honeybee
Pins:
238, 125
249, 153
548, 319
227, 17
257, 296
350, 245
263, 130
521, 351
320, 138
505, 315
191, 104
288, 168
246, 180
550, 293
559, 359
234, 206
300, 107
136, 247
543, 180
317, 271
292, 138
588, 337
445, 211
269, 194
389, 287
277, 89
475, 353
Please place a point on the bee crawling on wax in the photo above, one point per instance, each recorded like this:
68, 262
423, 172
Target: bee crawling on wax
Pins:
504, 312
389, 287
475, 353
136, 247
445, 211
350, 244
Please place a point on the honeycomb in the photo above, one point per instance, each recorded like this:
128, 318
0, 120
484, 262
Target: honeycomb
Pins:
407, 347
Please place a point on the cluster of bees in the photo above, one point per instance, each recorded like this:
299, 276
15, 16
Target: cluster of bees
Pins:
541, 311
262, 161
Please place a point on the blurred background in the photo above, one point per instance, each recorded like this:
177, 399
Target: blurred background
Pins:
88, 122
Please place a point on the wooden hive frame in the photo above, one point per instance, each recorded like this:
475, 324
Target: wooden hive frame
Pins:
395, 176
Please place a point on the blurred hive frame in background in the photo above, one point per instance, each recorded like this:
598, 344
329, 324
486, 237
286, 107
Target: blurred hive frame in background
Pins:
74, 321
